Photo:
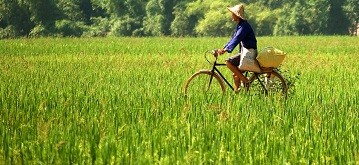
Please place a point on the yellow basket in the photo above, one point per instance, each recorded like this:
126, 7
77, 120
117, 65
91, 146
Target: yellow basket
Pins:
270, 57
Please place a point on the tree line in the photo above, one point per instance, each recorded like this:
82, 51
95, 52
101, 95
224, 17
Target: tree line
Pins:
37, 18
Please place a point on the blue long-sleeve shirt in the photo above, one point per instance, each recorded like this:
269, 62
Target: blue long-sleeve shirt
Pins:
245, 34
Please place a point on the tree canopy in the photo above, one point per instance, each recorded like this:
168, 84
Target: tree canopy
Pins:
33, 18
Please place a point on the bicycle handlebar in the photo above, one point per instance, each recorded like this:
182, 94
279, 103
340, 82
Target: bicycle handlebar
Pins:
214, 52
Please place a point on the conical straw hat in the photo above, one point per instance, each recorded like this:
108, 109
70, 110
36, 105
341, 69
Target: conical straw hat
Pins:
237, 10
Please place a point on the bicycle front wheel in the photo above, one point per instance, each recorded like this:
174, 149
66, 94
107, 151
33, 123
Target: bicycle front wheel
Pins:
204, 82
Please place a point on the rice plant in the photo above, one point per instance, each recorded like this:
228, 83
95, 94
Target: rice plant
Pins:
119, 101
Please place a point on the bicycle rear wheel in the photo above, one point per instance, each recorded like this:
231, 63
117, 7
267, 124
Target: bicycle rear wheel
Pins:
271, 83
204, 82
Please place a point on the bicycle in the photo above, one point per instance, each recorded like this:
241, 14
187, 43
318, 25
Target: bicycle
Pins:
269, 80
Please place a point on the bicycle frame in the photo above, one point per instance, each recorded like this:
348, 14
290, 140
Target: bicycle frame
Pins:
214, 69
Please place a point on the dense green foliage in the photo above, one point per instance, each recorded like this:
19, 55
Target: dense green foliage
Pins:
102, 101
32, 18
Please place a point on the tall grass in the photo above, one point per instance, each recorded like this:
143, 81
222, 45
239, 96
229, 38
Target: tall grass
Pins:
119, 101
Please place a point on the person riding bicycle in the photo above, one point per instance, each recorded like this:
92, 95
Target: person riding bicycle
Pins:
244, 35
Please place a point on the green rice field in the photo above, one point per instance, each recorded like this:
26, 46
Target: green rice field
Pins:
120, 101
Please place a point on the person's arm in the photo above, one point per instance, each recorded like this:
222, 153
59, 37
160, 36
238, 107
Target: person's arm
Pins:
221, 51
236, 39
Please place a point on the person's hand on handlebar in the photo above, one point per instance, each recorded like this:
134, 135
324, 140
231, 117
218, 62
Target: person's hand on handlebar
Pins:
221, 51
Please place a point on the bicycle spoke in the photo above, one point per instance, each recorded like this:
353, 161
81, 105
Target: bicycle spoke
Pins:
269, 84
